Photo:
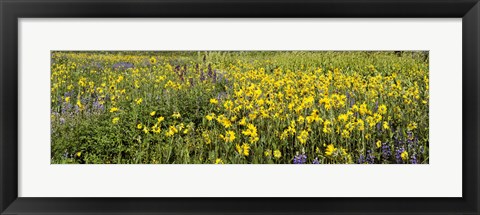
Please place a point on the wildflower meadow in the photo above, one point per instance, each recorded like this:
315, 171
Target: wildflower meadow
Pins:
239, 107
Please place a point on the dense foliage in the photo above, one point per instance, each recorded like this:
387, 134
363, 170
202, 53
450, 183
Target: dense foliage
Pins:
239, 107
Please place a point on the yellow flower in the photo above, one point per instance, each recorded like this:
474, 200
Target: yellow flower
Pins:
145, 130
404, 155
360, 125
153, 60
411, 126
229, 136
379, 144
303, 137
346, 134
382, 109
218, 161
251, 132
156, 129
277, 154
176, 115
243, 121
330, 149
79, 104
224, 121
228, 105
67, 99
267, 153
385, 125
355, 108
370, 121
206, 137
363, 109
244, 149
115, 120
210, 116
301, 119
171, 131
213, 101
79, 154
343, 117
114, 109
326, 127
139, 126
152, 113
377, 118
160, 119
138, 101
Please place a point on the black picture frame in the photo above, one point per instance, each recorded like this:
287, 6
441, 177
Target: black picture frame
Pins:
12, 10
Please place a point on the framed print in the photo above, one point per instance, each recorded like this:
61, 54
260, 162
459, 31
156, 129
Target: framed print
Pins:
272, 107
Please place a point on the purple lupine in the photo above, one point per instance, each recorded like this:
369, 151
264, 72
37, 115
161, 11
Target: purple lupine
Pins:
202, 76
386, 151
122, 65
361, 159
410, 135
220, 76
65, 107
97, 106
348, 96
316, 161
221, 95
191, 82
68, 94
300, 159
370, 158
398, 155
413, 159
214, 77
210, 72
76, 109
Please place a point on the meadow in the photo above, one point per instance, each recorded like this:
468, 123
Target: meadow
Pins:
239, 107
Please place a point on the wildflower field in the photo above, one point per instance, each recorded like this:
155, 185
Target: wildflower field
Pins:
233, 107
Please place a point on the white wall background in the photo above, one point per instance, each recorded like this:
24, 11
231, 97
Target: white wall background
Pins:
442, 177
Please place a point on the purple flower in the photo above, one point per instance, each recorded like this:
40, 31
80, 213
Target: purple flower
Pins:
66, 107
370, 158
202, 76
122, 65
361, 159
98, 106
300, 159
315, 161
190, 80
398, 155
386, 151
210, 72
214, 77
413, 159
